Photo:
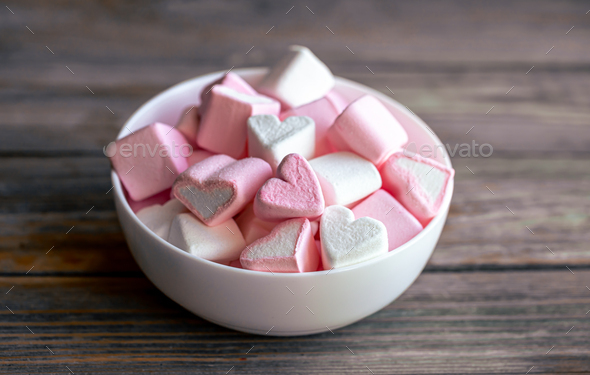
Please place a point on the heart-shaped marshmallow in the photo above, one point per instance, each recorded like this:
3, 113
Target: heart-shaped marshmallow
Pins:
272, 140
346, 241
290, 247
218, 187
295, 193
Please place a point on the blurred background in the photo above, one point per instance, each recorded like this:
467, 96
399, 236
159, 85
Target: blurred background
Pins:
507, 279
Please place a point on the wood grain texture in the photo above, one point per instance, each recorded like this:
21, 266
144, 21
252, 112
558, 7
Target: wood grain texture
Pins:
221, 32
545, 112
481, 322
450, 65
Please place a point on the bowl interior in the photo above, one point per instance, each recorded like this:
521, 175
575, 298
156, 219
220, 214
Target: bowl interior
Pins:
167, 107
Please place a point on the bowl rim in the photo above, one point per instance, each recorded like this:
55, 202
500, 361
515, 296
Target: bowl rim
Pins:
441, 215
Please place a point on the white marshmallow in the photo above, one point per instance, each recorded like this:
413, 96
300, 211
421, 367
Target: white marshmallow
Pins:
159, 217
345, 177
346, 241
420, 184
297, 79
222, 243
432, 180
271, 140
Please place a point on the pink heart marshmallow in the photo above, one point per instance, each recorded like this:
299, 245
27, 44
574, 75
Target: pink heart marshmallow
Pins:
290, 247
296, 192
219, 187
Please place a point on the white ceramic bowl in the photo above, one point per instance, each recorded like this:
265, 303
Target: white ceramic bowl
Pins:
276, 304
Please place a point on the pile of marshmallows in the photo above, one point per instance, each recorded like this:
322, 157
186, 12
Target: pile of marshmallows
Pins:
276, 171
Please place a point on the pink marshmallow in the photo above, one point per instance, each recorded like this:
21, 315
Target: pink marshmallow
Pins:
219, 187
235, 263
318, 244
418, 183
296, 192
188, 124
367, 128
400, 224
198, 156
315, 226
338, 101
231, 80
323, 112
253, 228
149, 160
223, 126
160, 198
290, 247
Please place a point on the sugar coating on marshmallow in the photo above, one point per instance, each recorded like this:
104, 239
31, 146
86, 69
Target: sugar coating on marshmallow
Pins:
219, 187
323, 112
223, 126
418, 183
345, 177
401, 225
159, 217
367, 128
346, 241
297, 79
290, 247
231, 80
295, 192
272, 140
188, 124
148, 160
222, 243
252, 227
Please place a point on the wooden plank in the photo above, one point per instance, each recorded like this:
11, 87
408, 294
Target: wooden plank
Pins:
42, 198
448, 31
485, 229
56, 215
481, 322
545, 111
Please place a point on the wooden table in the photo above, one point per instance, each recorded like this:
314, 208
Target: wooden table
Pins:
507, 288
